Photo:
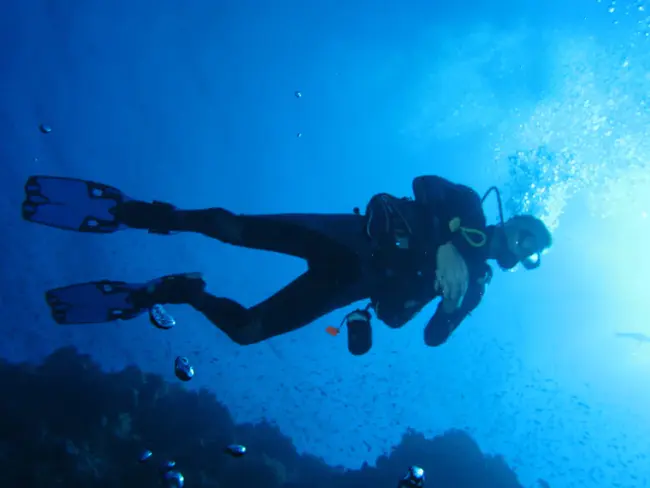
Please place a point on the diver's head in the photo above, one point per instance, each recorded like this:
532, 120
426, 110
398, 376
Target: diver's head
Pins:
521, 239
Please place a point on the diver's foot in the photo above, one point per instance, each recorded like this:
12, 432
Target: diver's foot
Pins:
156, 217
184, 288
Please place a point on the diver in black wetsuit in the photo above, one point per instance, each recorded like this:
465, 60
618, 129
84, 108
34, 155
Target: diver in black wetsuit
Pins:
400, 254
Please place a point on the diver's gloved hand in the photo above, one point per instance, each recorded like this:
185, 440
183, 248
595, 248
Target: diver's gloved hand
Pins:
452, 277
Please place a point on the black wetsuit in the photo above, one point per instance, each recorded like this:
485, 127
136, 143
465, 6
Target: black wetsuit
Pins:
387, 255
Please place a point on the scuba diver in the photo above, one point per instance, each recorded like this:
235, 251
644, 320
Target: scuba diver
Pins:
400, 254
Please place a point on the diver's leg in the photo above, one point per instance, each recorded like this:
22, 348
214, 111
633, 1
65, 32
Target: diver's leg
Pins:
308, 236
264, 233
310, 296
304, 300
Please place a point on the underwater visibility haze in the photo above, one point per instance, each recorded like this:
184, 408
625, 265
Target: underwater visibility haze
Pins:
314, 108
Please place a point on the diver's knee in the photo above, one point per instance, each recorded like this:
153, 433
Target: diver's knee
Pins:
228, 227
248, 334
243, 340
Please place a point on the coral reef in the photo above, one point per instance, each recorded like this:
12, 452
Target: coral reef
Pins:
66, 423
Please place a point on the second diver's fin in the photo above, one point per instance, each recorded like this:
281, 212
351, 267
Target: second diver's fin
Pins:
94, 302
72, 204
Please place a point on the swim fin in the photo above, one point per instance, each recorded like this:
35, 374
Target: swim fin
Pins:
94, 302
72, 204
105, 301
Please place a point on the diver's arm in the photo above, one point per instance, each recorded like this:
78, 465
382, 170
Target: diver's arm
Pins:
396, 314
442, 324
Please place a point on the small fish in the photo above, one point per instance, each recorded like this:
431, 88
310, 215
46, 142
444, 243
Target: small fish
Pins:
236, 450
145, 456
168, 465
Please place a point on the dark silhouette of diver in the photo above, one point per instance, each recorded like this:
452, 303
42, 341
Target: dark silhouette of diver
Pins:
401, 253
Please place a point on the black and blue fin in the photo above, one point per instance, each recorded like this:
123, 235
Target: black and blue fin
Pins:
72, 204
94, 302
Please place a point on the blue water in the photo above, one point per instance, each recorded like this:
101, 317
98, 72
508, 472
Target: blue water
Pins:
193, 103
